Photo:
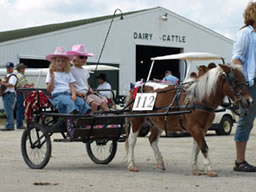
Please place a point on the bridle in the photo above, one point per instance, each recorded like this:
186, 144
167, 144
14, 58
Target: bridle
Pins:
235, 85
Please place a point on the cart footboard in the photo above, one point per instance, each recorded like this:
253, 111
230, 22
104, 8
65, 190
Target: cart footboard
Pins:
110, 128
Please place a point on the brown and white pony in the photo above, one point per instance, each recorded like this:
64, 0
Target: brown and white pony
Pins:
202, 98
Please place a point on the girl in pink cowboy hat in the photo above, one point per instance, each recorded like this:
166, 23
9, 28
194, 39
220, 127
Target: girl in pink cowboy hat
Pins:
60, 82
81, 75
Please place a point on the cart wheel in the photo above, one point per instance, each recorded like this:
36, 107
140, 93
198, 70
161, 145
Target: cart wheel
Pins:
36, 146
101, 151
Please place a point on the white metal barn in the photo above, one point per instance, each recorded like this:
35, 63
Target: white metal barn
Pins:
132, 41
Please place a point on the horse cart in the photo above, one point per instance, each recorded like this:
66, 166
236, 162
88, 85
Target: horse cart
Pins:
101, 131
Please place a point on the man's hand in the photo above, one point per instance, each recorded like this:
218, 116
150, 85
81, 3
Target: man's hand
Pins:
74, 97
91, 90
251, 83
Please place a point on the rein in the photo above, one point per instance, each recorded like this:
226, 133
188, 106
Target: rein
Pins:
193, 107
176, 98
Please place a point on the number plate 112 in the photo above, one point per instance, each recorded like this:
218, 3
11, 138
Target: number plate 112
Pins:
144, 102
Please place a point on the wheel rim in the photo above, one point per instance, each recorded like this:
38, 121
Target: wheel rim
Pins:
101, 149
226, 126
36, 148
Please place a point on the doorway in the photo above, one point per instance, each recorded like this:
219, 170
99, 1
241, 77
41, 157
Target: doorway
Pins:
143, 61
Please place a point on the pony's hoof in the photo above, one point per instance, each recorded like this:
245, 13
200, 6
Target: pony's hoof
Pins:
161, 167
196, 172
212, 174
133, 169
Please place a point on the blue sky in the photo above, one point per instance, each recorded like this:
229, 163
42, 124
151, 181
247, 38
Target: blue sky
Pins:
222, 16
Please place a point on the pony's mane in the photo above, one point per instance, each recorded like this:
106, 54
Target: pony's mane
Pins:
206, 84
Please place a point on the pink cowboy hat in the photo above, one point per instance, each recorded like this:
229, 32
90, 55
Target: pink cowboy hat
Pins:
59, 52
79, 50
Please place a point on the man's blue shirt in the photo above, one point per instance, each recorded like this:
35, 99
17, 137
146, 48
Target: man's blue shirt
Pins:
244, 49
171, 79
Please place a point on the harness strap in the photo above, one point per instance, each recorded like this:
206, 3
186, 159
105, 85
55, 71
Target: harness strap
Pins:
176, 98
179, 116
194, 106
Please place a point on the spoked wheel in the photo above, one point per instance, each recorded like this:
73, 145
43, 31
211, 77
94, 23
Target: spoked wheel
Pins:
36, 146
101, 151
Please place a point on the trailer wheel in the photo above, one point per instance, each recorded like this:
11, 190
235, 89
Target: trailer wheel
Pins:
101, 151
36, 146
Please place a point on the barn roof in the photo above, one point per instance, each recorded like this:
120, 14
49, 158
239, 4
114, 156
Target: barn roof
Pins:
31, 31
38, 30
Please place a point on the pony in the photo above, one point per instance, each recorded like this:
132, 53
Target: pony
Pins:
202, 97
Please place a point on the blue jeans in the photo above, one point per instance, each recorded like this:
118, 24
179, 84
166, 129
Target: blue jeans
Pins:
20, 111
64, 104
9, 101
245, 123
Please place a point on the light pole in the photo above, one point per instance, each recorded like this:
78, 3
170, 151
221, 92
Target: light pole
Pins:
110, 25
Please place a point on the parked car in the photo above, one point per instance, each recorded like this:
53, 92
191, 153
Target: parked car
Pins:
223, 122
38, 75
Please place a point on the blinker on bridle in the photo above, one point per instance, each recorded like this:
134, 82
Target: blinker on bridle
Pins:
233, 84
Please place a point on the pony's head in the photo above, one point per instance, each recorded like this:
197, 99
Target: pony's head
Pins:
224, 80
235, 85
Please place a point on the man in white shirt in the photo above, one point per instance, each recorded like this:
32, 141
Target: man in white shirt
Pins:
103, 84
9, 96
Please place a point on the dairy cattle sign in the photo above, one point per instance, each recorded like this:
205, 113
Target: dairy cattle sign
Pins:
164, 37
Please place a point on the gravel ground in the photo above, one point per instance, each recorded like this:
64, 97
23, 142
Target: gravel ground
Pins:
70, 168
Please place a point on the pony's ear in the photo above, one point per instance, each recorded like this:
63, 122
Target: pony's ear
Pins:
225, 68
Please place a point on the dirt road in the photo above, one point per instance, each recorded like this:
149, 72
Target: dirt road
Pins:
70, 169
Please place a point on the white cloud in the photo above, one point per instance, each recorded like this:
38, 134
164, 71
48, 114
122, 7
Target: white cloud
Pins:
221, 16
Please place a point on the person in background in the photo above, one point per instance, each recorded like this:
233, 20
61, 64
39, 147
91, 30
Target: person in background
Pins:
81, 75
169, 78
9, 96
22, 83
193, 75
244, 54
103, 84
60, 82
211, 65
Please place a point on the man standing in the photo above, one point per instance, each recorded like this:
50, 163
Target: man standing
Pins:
9, 96
244, 54
22, 82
